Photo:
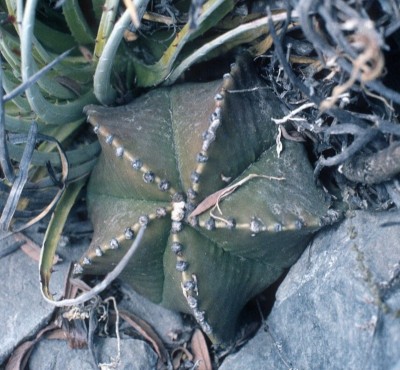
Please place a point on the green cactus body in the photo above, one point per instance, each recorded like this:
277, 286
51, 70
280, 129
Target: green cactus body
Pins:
170, 150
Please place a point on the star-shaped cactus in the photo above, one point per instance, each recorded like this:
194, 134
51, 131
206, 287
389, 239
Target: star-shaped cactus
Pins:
165, 158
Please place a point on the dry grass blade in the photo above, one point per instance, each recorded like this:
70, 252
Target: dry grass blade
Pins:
133, 13
73, 326
147, 332
32, 249
200, 351
158, 18
20, 180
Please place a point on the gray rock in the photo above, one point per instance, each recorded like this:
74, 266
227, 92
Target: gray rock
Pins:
396, 367
56, 355
22, 308
23, 311
166, 323
339, 306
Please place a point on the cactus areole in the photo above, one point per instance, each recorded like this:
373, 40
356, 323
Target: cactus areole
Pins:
165, 158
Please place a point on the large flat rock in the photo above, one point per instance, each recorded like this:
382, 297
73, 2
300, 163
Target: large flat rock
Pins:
339, 306
22, 309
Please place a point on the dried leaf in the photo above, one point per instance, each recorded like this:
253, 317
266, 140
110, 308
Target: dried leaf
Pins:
20, 356
147, 332
70, 288
58, 334
75, 332
207, 203
73, 327
178, 355
213, 199
86, 53
158, 18
130, 36
32, 249
133, 12
78, 284
200, 351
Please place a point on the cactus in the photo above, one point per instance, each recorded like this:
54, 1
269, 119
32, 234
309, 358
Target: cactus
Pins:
33, 34
197, 164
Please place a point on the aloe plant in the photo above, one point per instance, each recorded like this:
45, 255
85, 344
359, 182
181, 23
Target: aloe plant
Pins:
34, 33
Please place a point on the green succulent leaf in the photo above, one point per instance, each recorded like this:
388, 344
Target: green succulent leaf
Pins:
53, 39
206, 140
53, 234
152, 75
77, 22
107, 21
75, 157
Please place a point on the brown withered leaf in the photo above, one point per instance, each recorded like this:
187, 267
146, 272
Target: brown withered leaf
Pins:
178, 355
207, 203
214, 199
21, 354
200, 351
86, 53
